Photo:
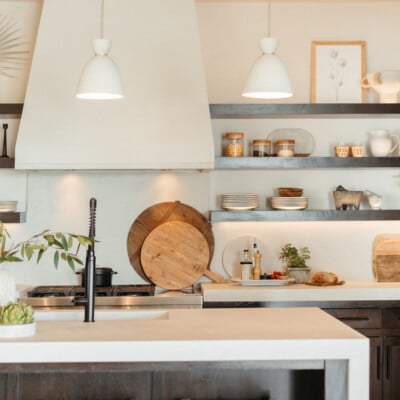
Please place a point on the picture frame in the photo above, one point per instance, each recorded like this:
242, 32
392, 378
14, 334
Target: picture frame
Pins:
337, 68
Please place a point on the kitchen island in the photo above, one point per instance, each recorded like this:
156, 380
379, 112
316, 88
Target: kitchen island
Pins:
219, 353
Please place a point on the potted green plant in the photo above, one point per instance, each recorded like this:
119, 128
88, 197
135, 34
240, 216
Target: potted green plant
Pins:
16, 319
296, 262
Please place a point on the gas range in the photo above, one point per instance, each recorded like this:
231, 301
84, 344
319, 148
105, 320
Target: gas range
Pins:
116, 296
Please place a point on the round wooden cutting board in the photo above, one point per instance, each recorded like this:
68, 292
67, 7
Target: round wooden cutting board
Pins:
158, 214
175, 255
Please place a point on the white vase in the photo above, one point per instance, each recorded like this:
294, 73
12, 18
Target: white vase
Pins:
7, 287
300, 275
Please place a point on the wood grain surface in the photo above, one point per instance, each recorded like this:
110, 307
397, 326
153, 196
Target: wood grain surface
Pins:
158, 214
175, 255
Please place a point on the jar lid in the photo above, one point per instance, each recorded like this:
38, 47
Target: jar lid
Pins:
234, 135
257, 141
285, 141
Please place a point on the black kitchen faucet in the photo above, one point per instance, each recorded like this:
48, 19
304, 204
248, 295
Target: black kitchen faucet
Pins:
90, 268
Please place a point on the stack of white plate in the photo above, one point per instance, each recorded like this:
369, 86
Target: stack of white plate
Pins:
289, 203
239, 201
8, 206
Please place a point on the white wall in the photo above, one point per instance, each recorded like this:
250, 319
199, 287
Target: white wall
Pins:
60, 201
230, 30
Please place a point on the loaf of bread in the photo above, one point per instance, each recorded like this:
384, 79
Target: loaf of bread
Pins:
324, 277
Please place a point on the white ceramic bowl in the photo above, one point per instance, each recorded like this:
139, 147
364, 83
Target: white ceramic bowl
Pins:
375, 201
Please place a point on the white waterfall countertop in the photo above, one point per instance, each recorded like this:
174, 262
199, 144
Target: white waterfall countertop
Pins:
264, 334
349, 291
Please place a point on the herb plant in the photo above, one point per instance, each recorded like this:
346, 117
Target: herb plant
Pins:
295, 258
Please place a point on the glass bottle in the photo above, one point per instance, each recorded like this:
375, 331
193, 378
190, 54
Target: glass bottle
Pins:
253, 252
246, 266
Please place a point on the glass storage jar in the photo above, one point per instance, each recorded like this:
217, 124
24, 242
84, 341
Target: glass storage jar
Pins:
285, 148
234, 144
262, 148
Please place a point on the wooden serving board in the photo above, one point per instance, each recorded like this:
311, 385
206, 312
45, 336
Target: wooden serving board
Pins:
158, 214
387, 267
325, 284
175, 255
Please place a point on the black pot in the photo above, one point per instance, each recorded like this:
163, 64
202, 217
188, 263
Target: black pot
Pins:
103, 276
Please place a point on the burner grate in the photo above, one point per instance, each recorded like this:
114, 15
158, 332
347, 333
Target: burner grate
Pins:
50, 291
117, 290
133, 290
98, 291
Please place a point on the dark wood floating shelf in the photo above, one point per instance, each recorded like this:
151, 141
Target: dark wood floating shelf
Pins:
11, 110
12, 217
304, 215
369, 110
7, 162
305, 162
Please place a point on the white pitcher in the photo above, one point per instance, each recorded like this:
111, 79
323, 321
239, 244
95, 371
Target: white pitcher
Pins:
381, 143
385, 83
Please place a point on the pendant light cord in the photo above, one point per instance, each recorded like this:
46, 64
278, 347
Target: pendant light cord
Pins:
102, 19
269, 19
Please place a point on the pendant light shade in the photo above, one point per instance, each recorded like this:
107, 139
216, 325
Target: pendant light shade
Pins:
100, 78
268, 78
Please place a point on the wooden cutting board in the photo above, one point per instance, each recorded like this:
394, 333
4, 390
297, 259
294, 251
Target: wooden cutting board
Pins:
158, 214
386, 257
175, 255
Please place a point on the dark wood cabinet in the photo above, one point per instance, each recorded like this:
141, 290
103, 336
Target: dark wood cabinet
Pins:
241, 380
381, 324
391, 370
375, 383
384, 367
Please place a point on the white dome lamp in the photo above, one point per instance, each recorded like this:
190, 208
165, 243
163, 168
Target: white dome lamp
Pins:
268, 78
100, 78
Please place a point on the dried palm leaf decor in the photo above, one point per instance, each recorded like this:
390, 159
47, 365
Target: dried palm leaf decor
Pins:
12, 48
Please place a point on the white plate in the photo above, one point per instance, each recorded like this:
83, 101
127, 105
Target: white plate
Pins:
239, 208
289, 207
233, 253
264, 282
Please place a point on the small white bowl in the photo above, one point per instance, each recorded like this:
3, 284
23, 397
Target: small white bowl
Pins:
375, 201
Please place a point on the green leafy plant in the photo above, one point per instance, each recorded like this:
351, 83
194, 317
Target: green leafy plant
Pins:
65, 246
295, 258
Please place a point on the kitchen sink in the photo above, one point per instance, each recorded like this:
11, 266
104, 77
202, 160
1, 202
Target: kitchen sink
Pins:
101, 315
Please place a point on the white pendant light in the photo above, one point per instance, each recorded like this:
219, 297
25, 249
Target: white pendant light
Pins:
100, 78
268, 78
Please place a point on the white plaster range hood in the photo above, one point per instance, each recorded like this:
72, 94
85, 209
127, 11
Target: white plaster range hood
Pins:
163, 121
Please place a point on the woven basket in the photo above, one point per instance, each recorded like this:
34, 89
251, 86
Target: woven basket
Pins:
342, 151
357, 151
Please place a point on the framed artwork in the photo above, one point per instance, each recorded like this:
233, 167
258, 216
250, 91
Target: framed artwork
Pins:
337, 68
